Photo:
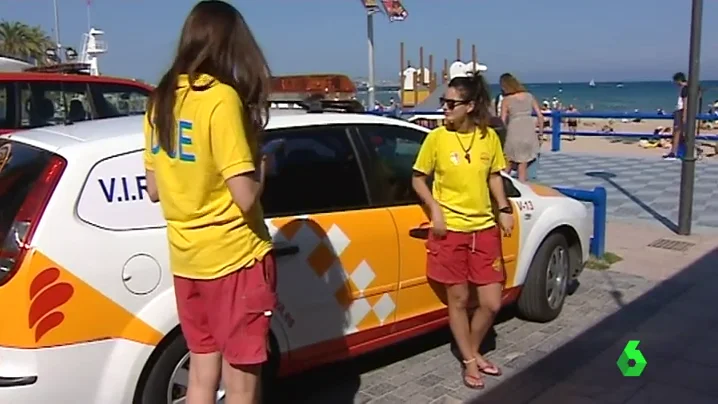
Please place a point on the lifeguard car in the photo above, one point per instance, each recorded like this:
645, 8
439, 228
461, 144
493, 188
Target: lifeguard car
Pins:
89, 307
65, 93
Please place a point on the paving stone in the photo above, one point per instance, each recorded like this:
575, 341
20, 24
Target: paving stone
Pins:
632, 187
380, 389
571, 358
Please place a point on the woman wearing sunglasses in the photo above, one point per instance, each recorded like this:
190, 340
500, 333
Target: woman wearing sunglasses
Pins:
465, 159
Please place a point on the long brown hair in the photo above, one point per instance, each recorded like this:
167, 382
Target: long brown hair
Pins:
475, 88
510, 84
215, 40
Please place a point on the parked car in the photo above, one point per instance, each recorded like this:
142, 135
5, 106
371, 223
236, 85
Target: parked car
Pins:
35, 99
84, 265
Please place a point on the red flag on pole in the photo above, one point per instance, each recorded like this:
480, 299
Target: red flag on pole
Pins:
395, 10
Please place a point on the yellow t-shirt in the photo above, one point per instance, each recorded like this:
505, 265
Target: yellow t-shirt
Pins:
209, 237
460, 186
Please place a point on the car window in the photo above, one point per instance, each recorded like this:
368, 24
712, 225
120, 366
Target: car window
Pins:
315, 170
53, 103
113, 100
3, 105
392, 152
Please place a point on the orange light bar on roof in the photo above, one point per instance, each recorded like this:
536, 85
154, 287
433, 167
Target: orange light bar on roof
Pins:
313, 83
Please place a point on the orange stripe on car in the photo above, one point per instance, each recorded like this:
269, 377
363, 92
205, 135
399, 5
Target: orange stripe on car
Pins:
52, 307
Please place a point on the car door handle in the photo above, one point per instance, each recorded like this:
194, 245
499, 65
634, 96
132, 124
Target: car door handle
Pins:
421, 232
286, 251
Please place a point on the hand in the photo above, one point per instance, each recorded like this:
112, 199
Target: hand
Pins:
506, 223
268, 156
437, 222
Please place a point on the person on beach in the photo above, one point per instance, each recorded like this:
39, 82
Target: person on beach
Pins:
679, 114
524, 131
572, 122
203, 166
464, 246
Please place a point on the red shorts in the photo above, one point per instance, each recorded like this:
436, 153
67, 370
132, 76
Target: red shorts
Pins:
231, 314
466, 257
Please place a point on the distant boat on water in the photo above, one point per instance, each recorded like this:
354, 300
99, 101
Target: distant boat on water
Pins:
592, 83
619, 85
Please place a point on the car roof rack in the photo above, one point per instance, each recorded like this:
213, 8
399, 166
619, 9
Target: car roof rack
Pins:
61, 68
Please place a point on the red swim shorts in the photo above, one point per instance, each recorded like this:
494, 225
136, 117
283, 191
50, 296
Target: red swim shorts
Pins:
466, 257
230, 315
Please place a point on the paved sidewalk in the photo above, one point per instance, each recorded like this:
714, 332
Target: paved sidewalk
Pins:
655, 295
638, 188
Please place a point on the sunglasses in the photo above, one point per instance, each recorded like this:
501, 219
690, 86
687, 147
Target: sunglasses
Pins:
451, 104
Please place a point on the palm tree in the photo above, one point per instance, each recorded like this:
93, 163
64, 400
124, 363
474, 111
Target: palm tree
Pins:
22, 41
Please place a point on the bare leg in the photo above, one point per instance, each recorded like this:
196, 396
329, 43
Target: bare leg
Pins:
676, 138
204, 374
241, 383
483, 319
522, 172
457, 298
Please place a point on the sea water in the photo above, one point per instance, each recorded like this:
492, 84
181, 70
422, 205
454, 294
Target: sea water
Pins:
647, 96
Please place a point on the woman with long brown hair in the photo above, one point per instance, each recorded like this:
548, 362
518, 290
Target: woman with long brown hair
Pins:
464, 247
522, 144
203, 166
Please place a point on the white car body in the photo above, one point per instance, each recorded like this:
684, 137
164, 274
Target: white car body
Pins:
114, 254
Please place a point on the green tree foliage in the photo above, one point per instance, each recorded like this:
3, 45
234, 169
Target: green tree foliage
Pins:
24, 42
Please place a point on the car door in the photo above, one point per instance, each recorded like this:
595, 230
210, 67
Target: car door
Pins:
338, 260
393, 149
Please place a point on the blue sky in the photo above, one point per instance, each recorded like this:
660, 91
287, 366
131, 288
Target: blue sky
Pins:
568, 40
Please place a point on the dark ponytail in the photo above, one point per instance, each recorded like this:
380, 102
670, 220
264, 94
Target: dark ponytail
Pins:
475, 88
160, 110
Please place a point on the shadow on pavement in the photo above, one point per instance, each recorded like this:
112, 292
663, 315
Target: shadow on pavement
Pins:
338, 383
676, 324
608, 177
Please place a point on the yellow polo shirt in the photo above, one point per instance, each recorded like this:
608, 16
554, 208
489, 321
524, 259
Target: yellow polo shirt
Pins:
208, 235
461, 186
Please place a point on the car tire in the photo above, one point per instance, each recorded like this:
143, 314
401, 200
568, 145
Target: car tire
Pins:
534, 303
157, 383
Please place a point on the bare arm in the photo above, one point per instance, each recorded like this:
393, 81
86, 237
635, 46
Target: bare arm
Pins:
151, 183
539, 115
505, 110
246, 189
419, 183
496, 186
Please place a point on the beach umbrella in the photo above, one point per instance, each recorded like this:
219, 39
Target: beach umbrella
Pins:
688, 166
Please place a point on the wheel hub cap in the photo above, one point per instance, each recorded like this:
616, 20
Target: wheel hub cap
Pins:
177, 388
556, 277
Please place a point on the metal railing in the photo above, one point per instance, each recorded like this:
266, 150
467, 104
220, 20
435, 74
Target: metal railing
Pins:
597, 197
558, 128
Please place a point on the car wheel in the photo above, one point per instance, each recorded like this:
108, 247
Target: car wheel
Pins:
167, 380
546, 286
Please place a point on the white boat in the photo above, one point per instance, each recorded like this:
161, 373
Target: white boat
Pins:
10, 64
592, 83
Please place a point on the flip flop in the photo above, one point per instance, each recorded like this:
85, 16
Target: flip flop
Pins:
490, 369
472, 382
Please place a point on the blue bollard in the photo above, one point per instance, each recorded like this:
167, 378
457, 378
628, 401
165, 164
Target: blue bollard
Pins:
598, 198
555, 130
